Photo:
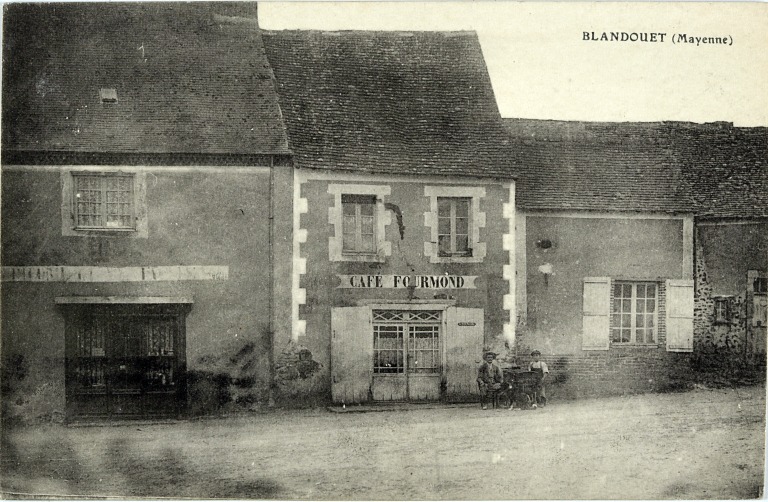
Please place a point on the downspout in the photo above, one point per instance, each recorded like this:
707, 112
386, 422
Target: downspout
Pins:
271, 267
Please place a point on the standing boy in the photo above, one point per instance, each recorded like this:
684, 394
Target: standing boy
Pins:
539, 367
489, 377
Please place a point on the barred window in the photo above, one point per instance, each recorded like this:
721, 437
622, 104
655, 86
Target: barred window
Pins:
104, 201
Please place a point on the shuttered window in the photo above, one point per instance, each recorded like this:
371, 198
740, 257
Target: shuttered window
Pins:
633, 317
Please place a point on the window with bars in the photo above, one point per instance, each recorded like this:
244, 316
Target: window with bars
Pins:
359, 223
453, 217
126, 352
104, 201
634, 313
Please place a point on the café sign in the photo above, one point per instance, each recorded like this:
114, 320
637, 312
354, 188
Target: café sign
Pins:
403, 281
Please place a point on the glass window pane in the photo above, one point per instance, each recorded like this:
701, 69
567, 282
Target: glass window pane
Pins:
462, 243
640, 321
368, 244
348, 226
348, 209
651, 290
443, 226
444, 245
349, 242
640, 306
462, 208
650, 306
443, 207
367, 209
626, 291
366, 225
641, 291
626, 305
462, 226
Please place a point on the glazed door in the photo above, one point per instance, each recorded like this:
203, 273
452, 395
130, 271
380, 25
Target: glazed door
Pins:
406, 355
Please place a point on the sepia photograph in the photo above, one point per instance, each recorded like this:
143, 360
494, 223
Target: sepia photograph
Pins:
383, 250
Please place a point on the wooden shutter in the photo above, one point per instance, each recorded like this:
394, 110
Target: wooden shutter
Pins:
679, 315
596, 309
351, 354
463, 340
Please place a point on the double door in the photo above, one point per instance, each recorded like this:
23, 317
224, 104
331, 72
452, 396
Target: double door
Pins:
124, 363
406, 355
419, 352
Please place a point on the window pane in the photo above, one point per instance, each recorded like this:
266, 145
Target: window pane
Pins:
462, 243
366, 225
641, 291
462, 208
349, 225
640, 306
626, 291
349, 242
462, 226
367, 243
367, 209
444, 245
651, 291
443, 226
348, 209
650, 306
626, 320
649, 336
616, 335
443, 207
626, 305
640, 321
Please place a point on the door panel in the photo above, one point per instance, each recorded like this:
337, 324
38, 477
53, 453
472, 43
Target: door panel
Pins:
351, 354
464, 328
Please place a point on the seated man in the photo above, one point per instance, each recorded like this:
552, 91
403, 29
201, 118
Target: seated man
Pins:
490, 378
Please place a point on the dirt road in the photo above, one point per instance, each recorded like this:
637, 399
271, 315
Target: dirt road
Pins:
701, 444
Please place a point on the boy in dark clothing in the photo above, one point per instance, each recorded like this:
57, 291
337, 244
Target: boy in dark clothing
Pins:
489, 377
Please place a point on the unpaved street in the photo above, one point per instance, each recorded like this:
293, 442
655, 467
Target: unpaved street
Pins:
701, 444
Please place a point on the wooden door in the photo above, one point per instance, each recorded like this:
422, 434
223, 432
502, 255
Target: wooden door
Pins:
351, 354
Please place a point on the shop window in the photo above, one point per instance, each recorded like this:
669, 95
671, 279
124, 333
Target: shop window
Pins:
99, 202
722, 310
359, 223
455, 221
633, 313
125, 360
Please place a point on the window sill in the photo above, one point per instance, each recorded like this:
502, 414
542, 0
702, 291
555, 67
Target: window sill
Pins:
362, 257
635, 345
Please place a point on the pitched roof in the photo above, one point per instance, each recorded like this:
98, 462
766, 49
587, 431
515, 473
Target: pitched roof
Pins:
711, 170
600, 167
189, 78
389, 102
726, 171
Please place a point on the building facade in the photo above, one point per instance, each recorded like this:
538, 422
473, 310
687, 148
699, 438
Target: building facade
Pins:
403, 214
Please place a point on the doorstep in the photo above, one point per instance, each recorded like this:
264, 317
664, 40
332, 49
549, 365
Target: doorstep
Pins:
396, 406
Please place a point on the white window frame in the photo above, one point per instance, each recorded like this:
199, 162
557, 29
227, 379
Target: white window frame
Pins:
476, 222
633, 313
382, 218
69, 200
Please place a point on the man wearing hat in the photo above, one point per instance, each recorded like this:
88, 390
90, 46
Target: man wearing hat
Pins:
489, 377
539, 367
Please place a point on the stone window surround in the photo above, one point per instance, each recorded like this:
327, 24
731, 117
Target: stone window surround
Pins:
68, 228
336, 218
